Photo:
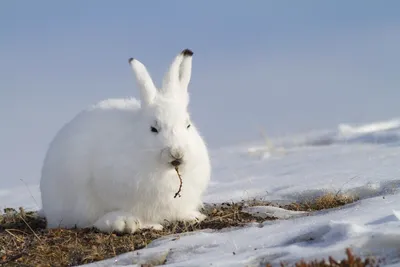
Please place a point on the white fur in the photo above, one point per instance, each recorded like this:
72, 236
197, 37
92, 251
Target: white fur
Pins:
106, 169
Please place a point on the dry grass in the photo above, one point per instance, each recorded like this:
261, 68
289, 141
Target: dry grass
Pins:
350, 261
25, 241
327, 201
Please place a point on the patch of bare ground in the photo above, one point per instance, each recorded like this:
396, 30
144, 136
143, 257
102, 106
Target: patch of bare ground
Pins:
350, 261
25, 241
327, 201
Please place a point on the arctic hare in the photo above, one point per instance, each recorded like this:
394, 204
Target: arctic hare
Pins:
113, 166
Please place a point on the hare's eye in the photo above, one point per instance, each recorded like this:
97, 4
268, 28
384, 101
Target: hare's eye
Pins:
188, 126
153, 129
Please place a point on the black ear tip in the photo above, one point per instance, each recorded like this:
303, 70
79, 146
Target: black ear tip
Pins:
130, 60
187, 52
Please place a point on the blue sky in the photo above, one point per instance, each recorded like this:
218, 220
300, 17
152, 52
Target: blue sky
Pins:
281, 66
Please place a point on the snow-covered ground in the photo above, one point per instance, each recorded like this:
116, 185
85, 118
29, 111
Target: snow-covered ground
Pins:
360, 160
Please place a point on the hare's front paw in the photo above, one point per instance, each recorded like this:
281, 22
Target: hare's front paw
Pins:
154, 226
118, 221
194, 217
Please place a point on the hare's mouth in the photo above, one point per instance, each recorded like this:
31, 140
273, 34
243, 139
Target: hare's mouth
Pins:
176, 162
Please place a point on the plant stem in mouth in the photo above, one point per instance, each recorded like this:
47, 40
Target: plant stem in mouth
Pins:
180, 183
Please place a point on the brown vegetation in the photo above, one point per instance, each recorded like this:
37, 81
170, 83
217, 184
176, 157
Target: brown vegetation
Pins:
327, 201
25, 241
350, 261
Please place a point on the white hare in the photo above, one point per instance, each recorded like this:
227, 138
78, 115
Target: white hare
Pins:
113, 165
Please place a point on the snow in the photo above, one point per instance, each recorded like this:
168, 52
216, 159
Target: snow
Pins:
270, 211
358, 160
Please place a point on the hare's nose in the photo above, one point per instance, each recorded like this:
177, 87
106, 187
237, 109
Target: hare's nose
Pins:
176, 154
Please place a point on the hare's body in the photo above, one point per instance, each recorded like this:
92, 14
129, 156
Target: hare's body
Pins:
111, 168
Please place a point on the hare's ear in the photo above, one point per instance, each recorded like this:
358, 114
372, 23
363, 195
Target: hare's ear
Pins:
147, 88
178, 75
185, 70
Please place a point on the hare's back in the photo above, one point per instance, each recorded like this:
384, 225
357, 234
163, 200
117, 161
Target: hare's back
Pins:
101, 126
